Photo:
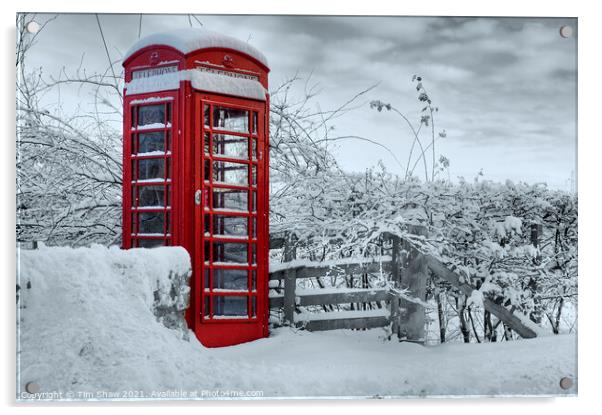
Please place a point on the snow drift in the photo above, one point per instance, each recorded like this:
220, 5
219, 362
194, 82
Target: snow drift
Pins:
91, 327
96, 317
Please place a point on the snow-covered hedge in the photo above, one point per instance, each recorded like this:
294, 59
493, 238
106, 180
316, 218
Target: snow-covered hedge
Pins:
482, 230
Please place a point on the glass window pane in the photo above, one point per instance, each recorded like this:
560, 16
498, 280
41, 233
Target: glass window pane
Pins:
206, 115
254, 223
230, 306
206, 223
230, 225
151, 222
231, 146
150, 142
206, 143
206, 170
230, 279
253, 254
230, 252
254, 122
150, 243
231, 173
151, 114
207, 251
253, 175
253, 307
151, 195
230, 199
253, 280
231, 119
206, 306
254, 149
206, 278
151, 169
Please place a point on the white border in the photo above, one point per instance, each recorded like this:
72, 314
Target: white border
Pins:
589, 189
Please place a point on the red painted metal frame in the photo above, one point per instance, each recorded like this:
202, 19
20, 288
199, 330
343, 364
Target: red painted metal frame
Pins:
215, 331
187, 158
130, 208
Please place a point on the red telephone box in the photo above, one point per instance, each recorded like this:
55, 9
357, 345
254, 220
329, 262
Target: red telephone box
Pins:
195, 172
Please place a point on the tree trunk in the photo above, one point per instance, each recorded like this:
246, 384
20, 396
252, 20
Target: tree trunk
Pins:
507, 332
350, 285
441, 316
474, 329
463, 323
556, 326
489, 332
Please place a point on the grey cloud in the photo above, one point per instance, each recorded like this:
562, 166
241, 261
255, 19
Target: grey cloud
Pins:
498, 81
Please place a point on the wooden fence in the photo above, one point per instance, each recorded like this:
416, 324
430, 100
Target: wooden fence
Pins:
402, 306
373, 304
371, 307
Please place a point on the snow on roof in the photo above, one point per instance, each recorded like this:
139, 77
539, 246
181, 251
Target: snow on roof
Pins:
223, 84
204, 81
191, 39
164, 82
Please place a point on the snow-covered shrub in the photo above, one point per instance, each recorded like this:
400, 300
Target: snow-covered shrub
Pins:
68, 165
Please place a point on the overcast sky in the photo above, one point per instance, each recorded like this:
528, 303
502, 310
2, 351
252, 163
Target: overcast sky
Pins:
505, 88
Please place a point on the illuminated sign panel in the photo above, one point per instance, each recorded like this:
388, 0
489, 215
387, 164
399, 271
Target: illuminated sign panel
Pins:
147, 73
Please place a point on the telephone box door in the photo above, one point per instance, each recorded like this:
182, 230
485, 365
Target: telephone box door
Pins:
231, 231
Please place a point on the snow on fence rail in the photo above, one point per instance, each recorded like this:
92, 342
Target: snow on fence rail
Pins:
319, 269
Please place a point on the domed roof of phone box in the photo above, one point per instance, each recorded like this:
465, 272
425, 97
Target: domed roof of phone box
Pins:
192, 39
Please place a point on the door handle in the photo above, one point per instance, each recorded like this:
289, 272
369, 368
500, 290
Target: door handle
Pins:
197, 196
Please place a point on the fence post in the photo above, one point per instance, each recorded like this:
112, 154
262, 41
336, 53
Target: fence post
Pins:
396, 280
290, 280
536, 230
537, 314
413, 279
396, 260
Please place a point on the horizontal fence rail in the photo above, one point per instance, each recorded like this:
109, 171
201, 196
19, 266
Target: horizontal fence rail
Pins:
344, 320
317, 297
306, 269
293, 297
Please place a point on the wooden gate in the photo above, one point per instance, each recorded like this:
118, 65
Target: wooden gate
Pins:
401, 304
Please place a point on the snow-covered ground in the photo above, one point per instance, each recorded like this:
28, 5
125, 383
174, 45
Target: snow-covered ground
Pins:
87, 331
